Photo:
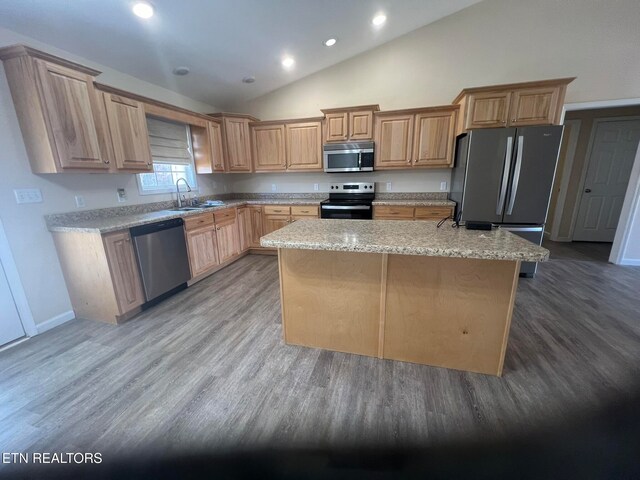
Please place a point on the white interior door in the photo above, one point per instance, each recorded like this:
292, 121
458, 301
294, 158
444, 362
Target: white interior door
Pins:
608, 169
10, 324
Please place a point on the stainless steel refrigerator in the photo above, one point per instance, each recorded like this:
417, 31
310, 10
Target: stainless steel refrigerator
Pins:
504, 176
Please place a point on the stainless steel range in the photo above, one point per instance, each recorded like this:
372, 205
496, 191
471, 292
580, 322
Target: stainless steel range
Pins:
349, 200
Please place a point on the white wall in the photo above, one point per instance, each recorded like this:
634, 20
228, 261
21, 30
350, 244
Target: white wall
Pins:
401, 181
30, 242
491, 42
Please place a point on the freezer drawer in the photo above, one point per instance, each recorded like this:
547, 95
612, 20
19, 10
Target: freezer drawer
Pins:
533, 234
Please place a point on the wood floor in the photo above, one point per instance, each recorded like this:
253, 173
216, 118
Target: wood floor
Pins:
208, 369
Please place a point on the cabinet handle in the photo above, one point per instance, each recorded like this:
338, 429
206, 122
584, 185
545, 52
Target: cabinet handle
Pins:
106, 162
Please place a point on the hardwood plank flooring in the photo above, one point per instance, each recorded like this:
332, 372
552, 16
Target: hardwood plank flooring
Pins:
208, 369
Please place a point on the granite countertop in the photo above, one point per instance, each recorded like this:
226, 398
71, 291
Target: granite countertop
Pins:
113, 223
404, 238
415, 202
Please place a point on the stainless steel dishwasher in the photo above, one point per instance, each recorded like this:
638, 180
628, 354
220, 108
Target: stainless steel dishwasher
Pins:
162, 256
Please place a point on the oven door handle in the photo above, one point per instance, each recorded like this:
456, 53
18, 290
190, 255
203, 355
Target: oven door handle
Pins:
345, 207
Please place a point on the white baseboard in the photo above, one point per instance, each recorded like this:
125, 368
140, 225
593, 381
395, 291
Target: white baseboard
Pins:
55, 321
635, 262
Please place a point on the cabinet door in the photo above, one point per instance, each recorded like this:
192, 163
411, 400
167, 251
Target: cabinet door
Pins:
125, 274
394, 135
238, 146
433, 213
228, 240
128, 127
434, 139
203, 249
275, 222
488, 109
336, 127
361, 125
71, 107
217, 155
304, 146
244, 228
534, 106
255, 214
268, 148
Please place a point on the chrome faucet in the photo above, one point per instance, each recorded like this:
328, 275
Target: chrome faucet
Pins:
181, 198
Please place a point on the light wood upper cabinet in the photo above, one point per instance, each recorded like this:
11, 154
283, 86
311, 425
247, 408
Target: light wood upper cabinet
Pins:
125, 274
128, 128
202, 246
434, 138
337, 127
515, 104
488, 109
236, 134
217, 152
268, 147
349, 124
394, 136
304, 146
534, 106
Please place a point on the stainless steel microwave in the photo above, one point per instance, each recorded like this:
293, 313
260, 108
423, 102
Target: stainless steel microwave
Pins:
348, 157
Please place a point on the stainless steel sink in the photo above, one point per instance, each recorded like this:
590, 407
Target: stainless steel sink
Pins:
185, 209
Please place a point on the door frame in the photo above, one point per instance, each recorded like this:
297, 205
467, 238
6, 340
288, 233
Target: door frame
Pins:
572, 144
15, 285
631, 202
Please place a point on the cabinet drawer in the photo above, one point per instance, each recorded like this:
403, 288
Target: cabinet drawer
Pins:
432, 213
311, 210
225, 216
277, 210
384, 211
198, 221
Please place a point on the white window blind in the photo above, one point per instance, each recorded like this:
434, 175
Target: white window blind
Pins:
169, 142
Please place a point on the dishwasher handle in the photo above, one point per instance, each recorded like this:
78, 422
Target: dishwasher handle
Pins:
156, 227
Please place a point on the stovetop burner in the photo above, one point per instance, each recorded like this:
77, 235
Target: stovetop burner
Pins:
349, 200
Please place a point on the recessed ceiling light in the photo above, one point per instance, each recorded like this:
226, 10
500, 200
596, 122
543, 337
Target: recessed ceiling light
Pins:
379, 19
249, 79
143, 9
287, 62
181, 71
330, 42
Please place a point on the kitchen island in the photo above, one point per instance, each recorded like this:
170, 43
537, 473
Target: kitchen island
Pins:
401, 290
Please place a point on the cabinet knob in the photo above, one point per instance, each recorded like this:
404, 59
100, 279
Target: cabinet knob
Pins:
106, 162
588, 190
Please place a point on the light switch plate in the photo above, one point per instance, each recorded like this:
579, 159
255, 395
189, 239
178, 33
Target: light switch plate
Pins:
28, 195
388, 186
80, 201
443, 186
316, 187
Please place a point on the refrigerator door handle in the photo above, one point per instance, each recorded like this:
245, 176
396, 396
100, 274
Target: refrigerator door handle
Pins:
505, 176
516, 175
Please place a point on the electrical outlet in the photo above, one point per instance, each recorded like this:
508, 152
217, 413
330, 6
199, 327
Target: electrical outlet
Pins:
443, 186
388, 186
80, 201
122, 195
274, 187
316, 187
28, 195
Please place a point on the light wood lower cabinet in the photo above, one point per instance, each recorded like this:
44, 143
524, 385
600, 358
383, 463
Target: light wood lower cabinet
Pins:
275, 222
244, 228
101, 274
402, 212
256, 230
202, 245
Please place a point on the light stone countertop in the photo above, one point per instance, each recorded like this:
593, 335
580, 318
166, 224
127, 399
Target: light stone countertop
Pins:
410, 202
109, 224
404, 238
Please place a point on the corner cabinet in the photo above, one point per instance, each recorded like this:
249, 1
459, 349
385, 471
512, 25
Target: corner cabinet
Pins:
415, 138
512, 105
61, 115
124, 270
235, 142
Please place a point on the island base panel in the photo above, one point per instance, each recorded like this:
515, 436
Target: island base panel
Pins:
440, 311
449, 312
331, 300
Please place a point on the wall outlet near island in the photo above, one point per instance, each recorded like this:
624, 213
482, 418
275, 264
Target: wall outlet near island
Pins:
80, 201
388, 186
122, 195
316, 187
443, 186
